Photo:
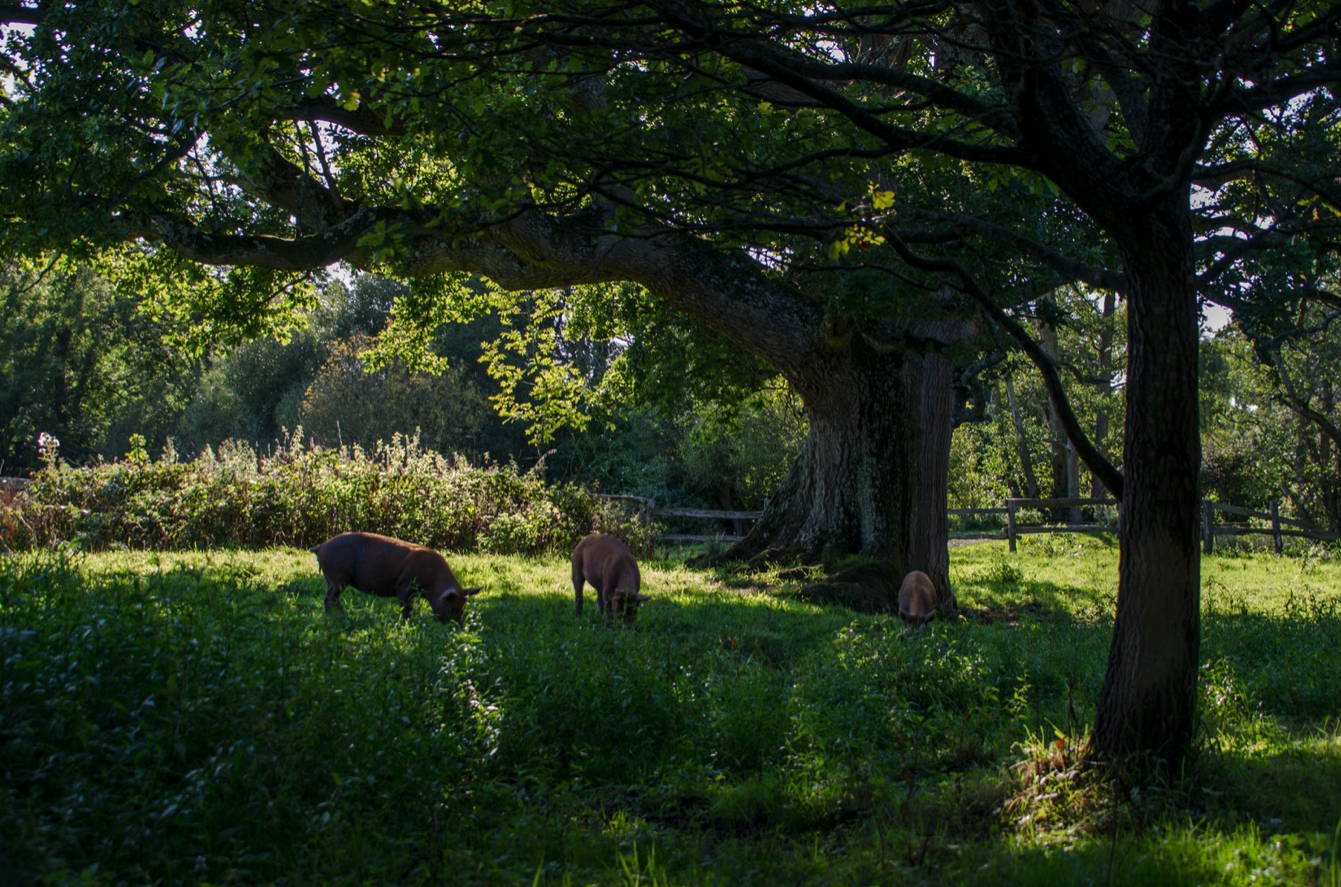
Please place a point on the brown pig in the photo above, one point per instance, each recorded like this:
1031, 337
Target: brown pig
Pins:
608, 565
917, 598
389, 567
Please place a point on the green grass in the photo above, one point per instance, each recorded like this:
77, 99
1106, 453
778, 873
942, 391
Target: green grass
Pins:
194, 717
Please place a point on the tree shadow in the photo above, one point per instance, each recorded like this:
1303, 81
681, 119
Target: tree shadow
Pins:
1291, 790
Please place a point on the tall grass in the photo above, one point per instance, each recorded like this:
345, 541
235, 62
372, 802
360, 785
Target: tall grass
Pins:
194, 717
299, 495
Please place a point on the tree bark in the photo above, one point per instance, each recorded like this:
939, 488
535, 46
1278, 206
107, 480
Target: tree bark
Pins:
1147, 703
872, 475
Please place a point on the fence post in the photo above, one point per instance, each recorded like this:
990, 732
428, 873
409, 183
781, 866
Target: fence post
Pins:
1274, 507
1207, 526
1010, 524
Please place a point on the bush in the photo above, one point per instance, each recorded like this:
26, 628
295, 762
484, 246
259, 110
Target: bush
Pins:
300, 496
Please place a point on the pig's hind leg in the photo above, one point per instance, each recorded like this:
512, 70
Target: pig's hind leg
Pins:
333, 589
578, 582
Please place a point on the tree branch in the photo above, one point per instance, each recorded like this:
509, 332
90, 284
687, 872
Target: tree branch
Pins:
1104, 470
1100, 278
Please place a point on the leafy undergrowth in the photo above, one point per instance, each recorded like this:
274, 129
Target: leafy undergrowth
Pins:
195, 717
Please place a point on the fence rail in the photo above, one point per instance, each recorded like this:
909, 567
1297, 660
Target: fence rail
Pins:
647, 510
1278, 528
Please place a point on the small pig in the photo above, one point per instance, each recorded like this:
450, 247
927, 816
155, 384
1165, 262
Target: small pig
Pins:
389, 567
608, 565
917, 599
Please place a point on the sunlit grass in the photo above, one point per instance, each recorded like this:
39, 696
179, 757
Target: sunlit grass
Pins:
196, 716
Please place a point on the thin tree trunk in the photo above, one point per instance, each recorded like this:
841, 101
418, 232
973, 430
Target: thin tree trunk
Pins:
1104, 387
1021, 442
1062, 457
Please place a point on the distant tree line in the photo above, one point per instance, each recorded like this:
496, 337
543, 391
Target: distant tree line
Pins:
82, 362
85, 364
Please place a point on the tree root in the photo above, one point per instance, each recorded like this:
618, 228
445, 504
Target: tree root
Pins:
867, 588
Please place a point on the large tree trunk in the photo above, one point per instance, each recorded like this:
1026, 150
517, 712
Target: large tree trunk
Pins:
1147, 704
872, 474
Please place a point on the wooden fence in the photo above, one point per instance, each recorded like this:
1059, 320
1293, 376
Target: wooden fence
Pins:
1014, 528
647, 510
1276, 526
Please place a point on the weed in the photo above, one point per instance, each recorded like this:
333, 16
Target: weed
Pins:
1002, 572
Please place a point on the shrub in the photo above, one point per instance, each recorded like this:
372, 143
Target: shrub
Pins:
300, 496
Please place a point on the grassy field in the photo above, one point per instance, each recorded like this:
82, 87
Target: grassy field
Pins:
195, 718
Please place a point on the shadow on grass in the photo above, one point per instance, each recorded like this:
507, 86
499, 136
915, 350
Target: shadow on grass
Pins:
1030, 600
1291, 790
727, 717
1287, 666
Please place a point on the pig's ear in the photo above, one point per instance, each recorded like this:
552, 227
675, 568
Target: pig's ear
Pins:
449, 594
470, 591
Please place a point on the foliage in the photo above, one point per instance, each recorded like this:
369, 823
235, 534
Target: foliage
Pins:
251, 391
979, 460
1270, 422
334, 376
341, 378
80, 364
1015, 445
195, 715
736, 455
347, 404
301, 495
1246, 433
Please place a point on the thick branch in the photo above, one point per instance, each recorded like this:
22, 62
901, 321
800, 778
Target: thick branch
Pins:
728, 292
362, 120
281, 183
183, 237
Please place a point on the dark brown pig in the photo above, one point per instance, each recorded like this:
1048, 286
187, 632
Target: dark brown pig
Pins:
389, 567
917, 598
608, 565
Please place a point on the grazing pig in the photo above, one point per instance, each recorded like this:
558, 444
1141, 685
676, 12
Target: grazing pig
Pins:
389, 567
608, 565
917, 598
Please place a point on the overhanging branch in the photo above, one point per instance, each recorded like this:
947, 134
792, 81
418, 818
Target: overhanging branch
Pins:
1104, 470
